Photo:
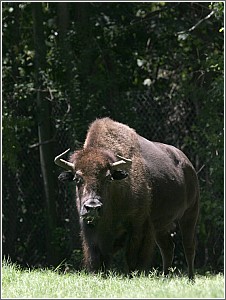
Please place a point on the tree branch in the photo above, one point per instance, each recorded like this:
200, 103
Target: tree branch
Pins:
196, 25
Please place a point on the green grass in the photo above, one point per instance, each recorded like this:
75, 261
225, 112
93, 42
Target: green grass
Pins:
44, 283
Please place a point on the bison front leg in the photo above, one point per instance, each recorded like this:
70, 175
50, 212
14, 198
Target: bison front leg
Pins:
137, 250
132, 254
146, 248
92, 259
166, 246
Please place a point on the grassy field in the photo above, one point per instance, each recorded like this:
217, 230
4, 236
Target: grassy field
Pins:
18, 283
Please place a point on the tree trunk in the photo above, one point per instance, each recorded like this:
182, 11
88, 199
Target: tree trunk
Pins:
66, 55
64, 46
11, 207
44, 132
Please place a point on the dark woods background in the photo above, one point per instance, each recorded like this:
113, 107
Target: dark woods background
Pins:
156, 66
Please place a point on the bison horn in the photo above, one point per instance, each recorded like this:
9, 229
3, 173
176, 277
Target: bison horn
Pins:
123, 162
63, 163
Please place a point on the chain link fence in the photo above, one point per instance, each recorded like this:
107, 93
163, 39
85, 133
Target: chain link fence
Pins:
23, 220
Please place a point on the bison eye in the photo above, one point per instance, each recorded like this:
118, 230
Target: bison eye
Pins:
116, 175
119, 174
78, 180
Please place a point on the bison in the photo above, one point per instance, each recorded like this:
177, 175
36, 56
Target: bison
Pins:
130, 193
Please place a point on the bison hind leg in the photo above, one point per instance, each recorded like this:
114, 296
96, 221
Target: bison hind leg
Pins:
188, 230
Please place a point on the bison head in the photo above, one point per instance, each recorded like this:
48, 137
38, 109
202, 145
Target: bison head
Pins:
92, 170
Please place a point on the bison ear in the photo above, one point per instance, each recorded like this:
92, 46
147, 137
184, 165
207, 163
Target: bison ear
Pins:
119, 174
66, 176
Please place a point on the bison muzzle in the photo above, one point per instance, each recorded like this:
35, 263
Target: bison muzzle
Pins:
90, 211
129, 194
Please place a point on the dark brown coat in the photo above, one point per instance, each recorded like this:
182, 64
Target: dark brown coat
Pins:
133, 203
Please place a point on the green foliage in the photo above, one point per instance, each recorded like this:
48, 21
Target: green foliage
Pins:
218, 9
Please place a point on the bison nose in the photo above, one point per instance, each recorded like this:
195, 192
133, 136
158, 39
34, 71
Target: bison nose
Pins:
91, 206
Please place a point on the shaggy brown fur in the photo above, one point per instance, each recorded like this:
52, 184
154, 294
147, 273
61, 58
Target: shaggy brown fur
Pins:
137, 210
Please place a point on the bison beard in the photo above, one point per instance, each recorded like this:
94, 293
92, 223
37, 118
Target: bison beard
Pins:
129, 193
